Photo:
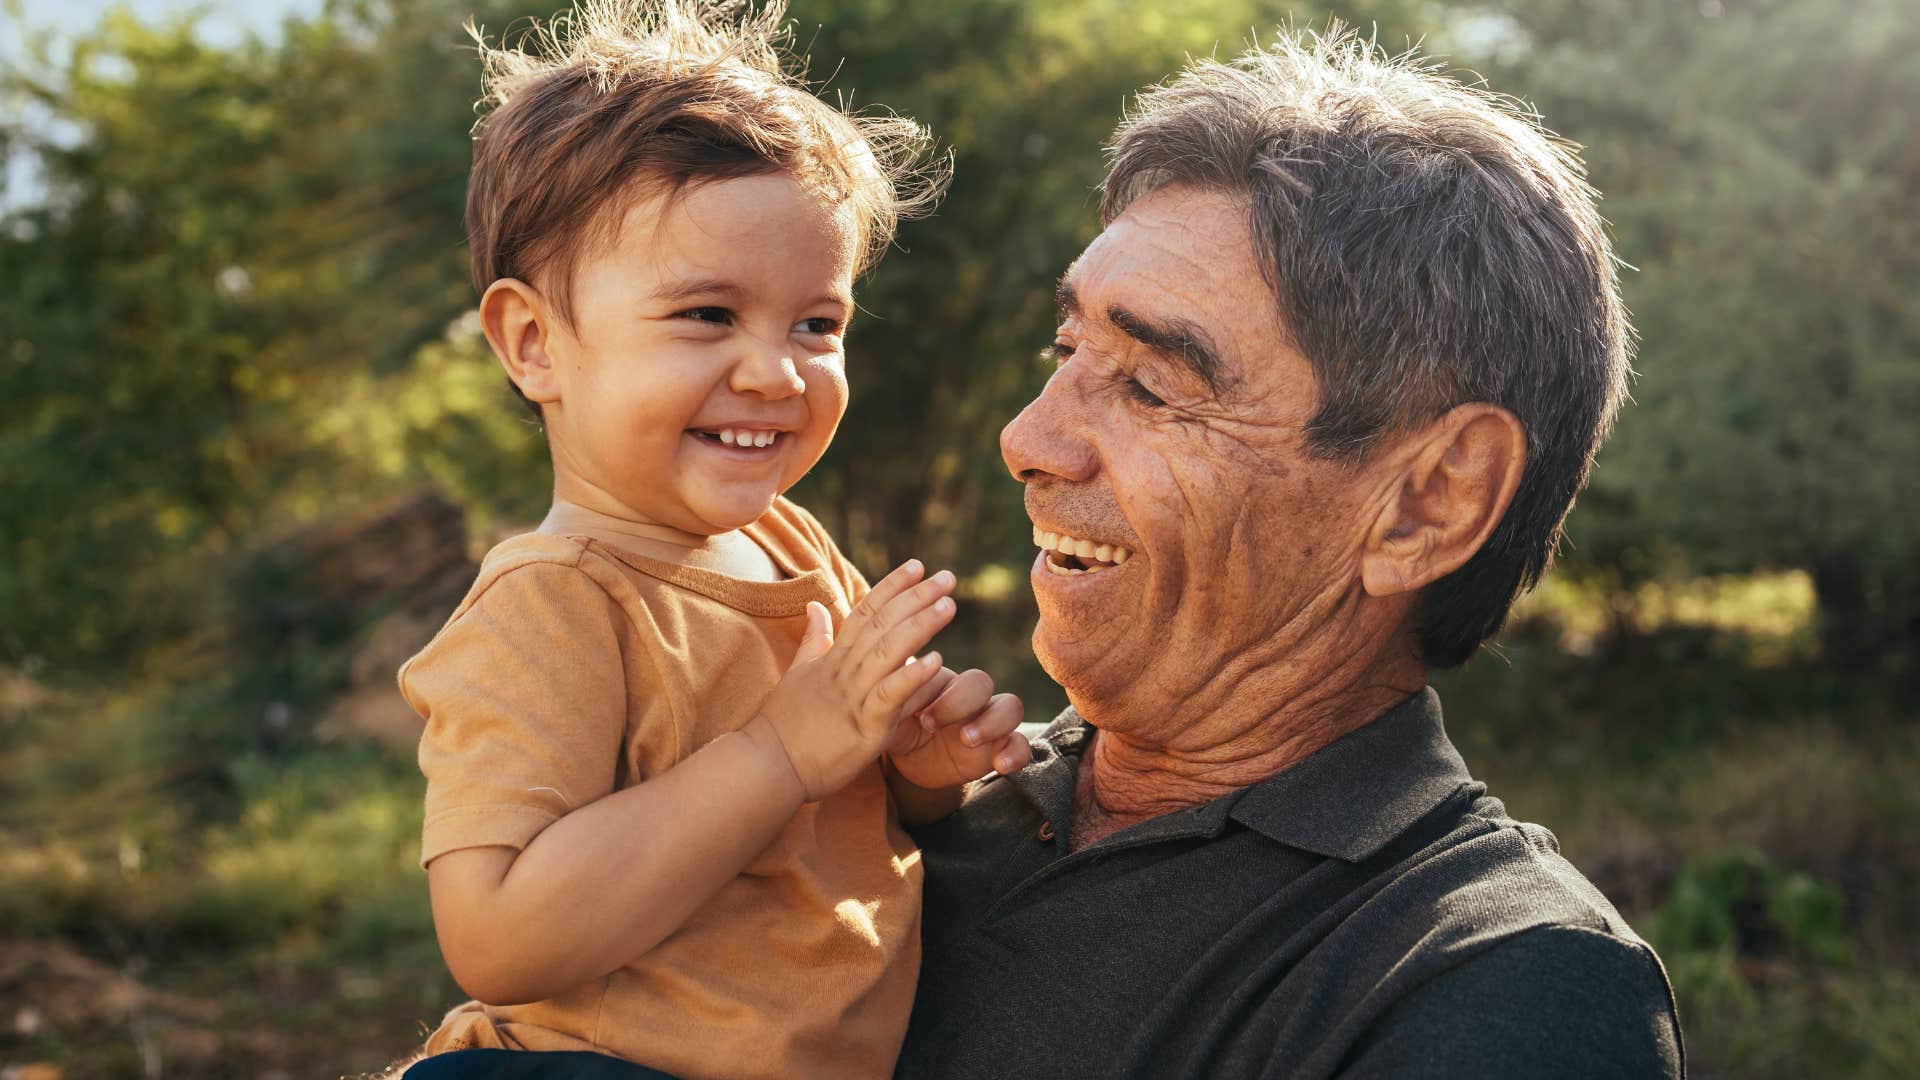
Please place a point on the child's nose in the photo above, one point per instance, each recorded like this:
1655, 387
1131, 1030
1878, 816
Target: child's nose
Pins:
768, 373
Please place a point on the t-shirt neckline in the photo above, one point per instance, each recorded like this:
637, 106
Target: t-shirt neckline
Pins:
776, 599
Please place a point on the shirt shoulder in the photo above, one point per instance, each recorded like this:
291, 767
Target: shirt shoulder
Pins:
1491, 935
1518, 864
532, 592
1555, 1000
1490, 878
526, 698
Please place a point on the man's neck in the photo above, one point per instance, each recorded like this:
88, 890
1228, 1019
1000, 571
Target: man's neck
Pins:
1124, 780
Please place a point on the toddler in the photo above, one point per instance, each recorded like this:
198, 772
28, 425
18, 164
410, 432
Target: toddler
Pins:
671, 735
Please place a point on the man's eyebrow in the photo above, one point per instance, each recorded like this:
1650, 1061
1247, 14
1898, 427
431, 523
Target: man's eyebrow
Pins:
1066, 299
1170, 335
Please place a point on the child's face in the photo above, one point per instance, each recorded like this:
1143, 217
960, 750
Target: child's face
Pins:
715, 314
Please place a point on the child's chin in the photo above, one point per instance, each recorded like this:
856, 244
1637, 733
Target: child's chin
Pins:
736, 513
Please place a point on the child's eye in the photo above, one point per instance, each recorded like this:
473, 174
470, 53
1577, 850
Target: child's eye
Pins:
820, 324
717, 315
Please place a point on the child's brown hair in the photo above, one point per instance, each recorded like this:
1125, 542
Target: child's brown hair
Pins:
620, 99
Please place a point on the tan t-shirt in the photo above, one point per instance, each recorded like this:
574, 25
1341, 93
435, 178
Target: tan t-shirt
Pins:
574, 669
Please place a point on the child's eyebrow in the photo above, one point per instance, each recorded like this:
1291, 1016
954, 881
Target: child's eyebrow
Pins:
688, 287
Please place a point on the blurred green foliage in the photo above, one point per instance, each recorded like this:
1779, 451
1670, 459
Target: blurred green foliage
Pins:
230, 313
1761, 168
241, 309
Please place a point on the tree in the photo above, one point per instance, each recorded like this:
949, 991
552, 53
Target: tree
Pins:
227, 232
1762, 170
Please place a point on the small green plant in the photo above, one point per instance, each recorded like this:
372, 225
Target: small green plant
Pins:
1733, 904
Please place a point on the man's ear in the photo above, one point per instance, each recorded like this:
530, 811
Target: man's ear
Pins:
520, 326
1457, 480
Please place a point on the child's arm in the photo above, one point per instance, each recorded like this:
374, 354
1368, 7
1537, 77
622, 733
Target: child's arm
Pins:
608, 881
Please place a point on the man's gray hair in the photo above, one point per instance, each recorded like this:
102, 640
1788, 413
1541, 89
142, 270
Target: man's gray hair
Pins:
1428, 244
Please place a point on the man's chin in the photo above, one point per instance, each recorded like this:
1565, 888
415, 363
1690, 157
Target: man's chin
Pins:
1068, 659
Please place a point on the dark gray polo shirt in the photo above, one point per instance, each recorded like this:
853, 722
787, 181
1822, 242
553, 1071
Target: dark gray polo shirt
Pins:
1370, 912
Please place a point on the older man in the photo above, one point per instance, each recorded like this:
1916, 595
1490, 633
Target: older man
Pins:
1327, 385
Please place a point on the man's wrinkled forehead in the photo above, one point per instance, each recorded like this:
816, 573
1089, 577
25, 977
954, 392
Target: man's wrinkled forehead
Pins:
1176, 273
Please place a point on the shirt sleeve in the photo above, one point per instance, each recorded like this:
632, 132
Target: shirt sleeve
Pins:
525, 698
1553, 1001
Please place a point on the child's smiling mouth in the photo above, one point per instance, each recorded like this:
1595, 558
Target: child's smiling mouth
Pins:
740, 438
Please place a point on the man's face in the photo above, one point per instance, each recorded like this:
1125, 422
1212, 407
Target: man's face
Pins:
704, 373
1173, 428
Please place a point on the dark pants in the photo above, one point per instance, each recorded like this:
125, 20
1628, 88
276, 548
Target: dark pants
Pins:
527, 1065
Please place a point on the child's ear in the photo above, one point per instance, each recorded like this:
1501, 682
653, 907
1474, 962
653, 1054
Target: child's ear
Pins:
519, 325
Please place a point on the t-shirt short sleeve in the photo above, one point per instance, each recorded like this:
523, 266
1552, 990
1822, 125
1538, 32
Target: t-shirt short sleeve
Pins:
525, 698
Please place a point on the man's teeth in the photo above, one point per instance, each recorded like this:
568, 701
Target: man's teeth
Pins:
1098, 556
744, 437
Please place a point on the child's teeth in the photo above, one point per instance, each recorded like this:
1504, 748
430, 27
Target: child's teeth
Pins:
743, 437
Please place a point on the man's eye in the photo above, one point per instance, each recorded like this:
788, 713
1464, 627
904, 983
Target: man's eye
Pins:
1139, 392
718, 315
1058, 352
818, 325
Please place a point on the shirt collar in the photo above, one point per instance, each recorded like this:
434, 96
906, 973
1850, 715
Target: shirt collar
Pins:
1346, 801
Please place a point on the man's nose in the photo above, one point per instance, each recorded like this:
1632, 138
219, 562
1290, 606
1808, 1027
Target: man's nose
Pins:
768, 372
1048, 439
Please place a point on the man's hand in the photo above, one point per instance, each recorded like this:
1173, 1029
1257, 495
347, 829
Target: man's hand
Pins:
842, 700
965, 732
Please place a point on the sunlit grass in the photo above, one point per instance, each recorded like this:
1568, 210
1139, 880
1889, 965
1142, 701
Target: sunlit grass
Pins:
1774, 613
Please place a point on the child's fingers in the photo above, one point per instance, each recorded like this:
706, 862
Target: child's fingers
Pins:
899, 580
859, 637
1012, 755
927, 694
902, 639
964, 695
819, 634
893, 692
999, 718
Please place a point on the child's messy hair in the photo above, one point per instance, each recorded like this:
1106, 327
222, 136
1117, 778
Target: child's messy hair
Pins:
624, 98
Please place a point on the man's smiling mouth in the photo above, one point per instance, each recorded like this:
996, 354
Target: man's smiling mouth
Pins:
1070, 555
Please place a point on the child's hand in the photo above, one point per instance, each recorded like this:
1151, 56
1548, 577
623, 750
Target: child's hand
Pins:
965, 733
842, 700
